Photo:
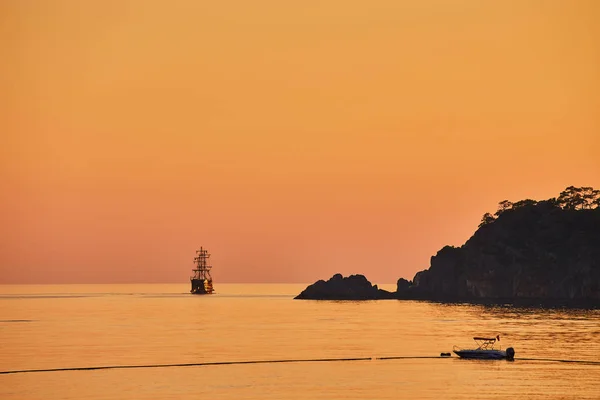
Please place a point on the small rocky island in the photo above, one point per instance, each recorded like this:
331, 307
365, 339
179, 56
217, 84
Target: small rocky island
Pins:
530, 250
354, 287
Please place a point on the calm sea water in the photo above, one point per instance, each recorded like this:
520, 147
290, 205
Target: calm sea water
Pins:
44, 327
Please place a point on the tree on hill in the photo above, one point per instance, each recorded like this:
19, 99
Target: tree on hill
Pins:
524, 203
487, 219
572, 198
503, 206
591, 197
579, 198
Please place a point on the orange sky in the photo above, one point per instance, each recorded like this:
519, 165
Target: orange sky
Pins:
293, 139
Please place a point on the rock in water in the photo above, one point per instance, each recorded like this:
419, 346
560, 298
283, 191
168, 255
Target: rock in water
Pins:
354, 287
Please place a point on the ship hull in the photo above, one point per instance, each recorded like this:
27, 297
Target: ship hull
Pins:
200, 286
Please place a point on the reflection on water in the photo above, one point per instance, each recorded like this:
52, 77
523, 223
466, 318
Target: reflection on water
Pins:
94, 325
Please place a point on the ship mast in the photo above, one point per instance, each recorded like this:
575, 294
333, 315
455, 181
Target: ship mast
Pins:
202, 270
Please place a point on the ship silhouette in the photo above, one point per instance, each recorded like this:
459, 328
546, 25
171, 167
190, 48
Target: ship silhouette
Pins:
201, 280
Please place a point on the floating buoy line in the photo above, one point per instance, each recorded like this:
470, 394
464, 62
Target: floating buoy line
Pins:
308, 360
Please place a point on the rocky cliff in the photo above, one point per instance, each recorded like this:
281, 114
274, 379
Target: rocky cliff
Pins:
535, 251
529, 250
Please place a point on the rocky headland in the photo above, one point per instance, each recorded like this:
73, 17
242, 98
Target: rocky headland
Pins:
528, 251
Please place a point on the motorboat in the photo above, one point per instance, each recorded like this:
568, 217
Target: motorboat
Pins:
485, 350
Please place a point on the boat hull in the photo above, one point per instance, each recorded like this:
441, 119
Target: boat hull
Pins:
481, 354
201, 286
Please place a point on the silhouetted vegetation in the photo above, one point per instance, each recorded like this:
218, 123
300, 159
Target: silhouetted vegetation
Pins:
572, 198
582, 198
487, 219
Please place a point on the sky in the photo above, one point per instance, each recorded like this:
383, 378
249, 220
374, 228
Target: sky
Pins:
293, 139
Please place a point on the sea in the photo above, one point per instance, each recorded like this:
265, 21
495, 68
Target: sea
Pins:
254, 341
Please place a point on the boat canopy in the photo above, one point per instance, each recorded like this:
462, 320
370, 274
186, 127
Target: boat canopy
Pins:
486, 343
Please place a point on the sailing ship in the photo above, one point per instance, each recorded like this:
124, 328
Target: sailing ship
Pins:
201, 280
